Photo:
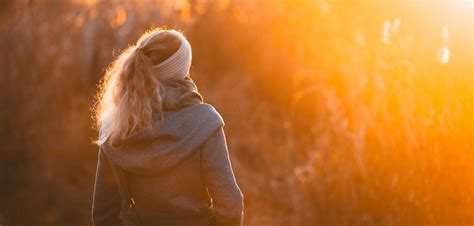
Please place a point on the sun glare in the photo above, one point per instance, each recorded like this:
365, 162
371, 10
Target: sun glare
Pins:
336, 112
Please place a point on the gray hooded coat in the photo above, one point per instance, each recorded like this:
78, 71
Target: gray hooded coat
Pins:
178, 169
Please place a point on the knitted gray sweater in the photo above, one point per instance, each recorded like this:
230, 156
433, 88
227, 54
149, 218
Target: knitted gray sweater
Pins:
178, 169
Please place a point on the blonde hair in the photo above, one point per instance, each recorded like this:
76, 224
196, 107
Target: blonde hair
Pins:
130, 92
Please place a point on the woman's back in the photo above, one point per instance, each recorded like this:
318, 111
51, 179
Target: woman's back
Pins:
177, 167
175, 195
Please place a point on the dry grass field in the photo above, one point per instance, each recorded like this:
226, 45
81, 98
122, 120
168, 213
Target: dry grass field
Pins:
337, 112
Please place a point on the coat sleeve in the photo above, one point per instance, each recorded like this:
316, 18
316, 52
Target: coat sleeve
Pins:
227, 199
106, 202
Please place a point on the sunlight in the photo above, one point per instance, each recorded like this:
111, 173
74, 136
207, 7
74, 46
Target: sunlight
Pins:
336, 112
443, 54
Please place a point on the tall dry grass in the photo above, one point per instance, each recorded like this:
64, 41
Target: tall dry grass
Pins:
354, 113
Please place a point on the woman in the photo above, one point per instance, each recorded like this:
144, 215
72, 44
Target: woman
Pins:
163, 157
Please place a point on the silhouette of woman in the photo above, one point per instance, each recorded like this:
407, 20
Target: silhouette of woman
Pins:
163, 156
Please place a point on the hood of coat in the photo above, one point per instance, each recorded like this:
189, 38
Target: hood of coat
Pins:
186, 124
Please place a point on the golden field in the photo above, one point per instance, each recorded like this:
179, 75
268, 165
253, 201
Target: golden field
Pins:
337, 112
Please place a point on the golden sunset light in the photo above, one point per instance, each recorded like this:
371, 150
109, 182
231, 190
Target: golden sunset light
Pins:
357, 112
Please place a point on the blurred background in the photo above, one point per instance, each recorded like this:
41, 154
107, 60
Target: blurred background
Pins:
355, 112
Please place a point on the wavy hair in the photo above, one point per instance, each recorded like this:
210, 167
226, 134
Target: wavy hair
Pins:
130, 93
